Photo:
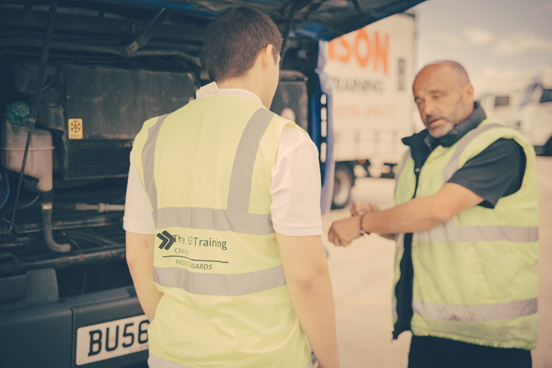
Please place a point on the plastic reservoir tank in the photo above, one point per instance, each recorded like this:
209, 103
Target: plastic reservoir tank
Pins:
14, 137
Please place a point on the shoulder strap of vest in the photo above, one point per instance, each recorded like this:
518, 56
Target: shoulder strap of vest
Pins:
452, 166
148, 159
242, 171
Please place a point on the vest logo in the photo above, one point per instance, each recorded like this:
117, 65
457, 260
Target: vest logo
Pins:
167, 240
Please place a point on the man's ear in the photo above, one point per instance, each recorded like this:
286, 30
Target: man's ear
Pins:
268, 57
468, 90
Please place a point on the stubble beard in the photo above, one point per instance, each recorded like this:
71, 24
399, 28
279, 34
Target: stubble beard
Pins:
450, 120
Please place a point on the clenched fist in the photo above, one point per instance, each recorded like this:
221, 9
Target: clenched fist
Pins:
343, 232
360, 208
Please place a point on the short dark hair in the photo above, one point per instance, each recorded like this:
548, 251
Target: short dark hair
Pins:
233, 40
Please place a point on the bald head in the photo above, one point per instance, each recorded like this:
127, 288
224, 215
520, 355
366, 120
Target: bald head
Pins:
444, 96
456, 68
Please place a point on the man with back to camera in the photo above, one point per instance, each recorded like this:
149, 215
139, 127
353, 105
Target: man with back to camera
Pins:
466, 225
223, 201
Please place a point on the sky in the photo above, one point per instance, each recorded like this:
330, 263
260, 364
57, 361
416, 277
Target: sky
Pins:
499, 42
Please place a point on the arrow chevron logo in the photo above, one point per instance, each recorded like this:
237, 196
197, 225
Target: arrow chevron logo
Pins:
167, 240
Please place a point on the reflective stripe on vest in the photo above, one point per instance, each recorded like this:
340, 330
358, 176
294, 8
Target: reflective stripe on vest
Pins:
449, 232
219, 284
235, 218
472, 313
156, 362
213, 219
475, 313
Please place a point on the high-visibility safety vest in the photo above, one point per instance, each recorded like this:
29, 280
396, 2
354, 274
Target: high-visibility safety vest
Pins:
475, 277
207, 171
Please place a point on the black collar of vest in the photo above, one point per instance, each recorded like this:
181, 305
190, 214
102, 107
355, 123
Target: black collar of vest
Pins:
424, 139
462, 128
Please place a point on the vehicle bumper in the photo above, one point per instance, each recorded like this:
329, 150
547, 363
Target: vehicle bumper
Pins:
32, 336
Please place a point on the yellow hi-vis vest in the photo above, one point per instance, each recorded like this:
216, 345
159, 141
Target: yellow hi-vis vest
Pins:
475, 277
207, 171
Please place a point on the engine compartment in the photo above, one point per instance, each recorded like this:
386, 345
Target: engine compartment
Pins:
111, 67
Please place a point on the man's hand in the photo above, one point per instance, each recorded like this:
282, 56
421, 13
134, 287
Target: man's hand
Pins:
360, 208
343, 232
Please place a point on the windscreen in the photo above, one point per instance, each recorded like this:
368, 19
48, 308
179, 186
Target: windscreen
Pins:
546, 96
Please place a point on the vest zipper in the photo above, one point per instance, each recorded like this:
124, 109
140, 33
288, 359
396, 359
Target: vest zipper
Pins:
405, 284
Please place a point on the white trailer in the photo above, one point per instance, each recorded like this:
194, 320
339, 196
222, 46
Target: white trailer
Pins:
371, 71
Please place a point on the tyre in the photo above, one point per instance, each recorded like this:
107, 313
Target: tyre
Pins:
548, 148
343, 184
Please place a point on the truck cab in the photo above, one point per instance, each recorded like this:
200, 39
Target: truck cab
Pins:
79, 78
535, 113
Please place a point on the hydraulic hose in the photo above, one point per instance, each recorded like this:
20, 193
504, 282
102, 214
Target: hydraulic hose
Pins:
92, 238
47, 199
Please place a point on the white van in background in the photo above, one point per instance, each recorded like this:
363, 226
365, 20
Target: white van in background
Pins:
535, 113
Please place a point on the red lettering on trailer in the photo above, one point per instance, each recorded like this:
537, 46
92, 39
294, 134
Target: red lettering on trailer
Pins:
362, 37
381, 53
366, 49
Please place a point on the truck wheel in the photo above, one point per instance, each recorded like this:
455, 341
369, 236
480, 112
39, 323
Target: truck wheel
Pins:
548, 148
343, 184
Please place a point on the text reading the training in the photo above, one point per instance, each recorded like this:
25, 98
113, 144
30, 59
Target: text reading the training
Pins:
182, 255
198, 242
167, 240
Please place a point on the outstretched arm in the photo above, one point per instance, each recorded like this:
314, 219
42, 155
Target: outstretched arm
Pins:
419, 214
308, 281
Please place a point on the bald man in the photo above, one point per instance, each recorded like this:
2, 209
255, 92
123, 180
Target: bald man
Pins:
466, 229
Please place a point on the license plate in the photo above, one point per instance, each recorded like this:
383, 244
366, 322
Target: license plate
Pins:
111, 339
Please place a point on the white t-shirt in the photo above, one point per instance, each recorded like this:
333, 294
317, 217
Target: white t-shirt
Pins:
295, 188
